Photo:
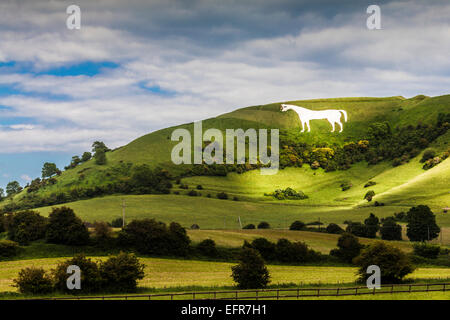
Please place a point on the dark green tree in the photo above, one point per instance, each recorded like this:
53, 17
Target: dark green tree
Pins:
348, 247
394, 263
64, 227
49, 169
251, 272
373, 225
390, 230
13, 188
26, 226
120, 273
86, 156
421, 224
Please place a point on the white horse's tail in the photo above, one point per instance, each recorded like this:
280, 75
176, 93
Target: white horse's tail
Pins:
345, 114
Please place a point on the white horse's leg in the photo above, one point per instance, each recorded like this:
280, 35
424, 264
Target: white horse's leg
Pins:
303, 126
309, 128
342, 126
332, 125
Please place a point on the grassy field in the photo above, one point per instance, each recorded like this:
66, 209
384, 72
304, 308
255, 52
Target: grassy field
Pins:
173, 273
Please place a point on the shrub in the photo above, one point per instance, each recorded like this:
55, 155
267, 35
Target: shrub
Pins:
33, 281
195, 227
151, 237
369, 195
207, 248
26, 226
393, 263
251, 272
346, 185
266, 248
421, 224
263, 225
91, 280
249, 226
287, 251
390, 230
426, 250
334, 229
8, 248
222, 195
348, 248
429, 153
64, 227
288, 193
235, 198
199, 187
120, 273
102, 234
369, 184
357, 228
297, 225
117, 223
192, 193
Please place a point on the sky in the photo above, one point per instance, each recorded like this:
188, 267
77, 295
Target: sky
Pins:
137, 66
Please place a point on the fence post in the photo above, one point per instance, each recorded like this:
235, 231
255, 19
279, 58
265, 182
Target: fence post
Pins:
410, 287
356, 291
256, 294
392, 288
214, 295
427, 287
171, 297
236, 294
337, 292
318, 292
298, 292
374, 290
193, 295
278, 294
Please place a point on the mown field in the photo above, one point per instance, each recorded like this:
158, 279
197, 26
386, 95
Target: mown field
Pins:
176, 273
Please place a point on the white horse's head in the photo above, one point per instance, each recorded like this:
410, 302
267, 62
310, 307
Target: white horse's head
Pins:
284, 107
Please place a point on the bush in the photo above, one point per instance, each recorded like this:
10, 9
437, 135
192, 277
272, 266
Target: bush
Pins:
195, 227
8, 248
390, 230
102, 234
288, 193
64, 227
251, 272
263, 225
373, 225
348, 248
369, 184
266, 248
33, 281
148, 236
421, 224
393, 263
199, 187
207, 248
91, 280
26, 226
297, 225
426, 250
192, 193
297, 252
334, 229
369, 195
249, 226
357, 228
346, 185
428, 154
117, 223
120, 273
222, 195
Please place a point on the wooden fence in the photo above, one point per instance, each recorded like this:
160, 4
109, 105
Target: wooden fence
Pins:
260, 294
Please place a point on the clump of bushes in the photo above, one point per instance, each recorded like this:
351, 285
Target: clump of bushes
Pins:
348, 248
8, 248
369, 195
249, 226
390, 230
369, 184
208, 248
119, 273
64, 227
426, 250
193, 193
26, 226
222, 196
148, 236
346, 185
334, 229
287, 194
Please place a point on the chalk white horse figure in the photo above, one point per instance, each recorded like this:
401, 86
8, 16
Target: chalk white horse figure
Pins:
305, 115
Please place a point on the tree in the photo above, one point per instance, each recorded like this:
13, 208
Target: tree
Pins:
12, 188
49, 169
357, 228
91, 280
334, 228
373, 225
426, 250
348, 247
394, 263
263, 225
86, 156
64, 227
26, 226
33, 281
208, 248
99, 149
391, 230
297, 225
120, 273
2, 194
266, 248
251, 272
369, 195
421, 224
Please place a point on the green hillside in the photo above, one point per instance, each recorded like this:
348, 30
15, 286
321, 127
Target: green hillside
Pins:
398, 187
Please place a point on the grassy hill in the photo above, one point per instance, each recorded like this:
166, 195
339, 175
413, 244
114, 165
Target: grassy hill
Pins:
398, 187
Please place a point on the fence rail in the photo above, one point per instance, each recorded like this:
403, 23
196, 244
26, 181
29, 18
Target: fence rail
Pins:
277, 294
